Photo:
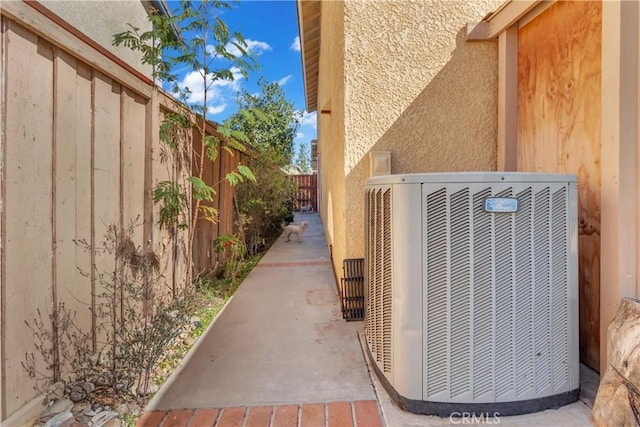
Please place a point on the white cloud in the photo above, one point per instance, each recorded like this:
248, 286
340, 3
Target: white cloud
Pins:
216, 109
283, 81
299, 135
309, 119
194, 82
296, 44
219, 92
257, 47
254, 47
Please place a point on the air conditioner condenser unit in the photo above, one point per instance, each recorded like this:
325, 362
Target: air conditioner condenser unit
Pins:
471, 290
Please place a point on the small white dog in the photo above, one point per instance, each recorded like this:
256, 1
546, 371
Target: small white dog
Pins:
297, 229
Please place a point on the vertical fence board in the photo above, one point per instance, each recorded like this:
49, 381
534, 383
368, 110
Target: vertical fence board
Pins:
162, 165
203, 258
213, 179
216, 177
106, 178
200, 230
227, 212
158, 172
215, 230
71, 115
3, 142
207, 231
81, 286
179, 260
28, 239
182, 172
133, 143
151, 134
65, 173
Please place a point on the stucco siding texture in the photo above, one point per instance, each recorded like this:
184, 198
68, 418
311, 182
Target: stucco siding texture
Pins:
414, 86
331, 129
100, 20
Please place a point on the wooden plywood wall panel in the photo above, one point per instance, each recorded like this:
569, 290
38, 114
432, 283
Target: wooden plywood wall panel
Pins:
28, 205
559, 117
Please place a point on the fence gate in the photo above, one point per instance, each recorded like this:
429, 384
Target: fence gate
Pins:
307, 191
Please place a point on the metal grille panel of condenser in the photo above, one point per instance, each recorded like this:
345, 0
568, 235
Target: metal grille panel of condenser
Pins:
378, 267
386, 282
369, 232
495, 294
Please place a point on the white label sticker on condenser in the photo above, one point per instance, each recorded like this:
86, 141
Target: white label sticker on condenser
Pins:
501, 204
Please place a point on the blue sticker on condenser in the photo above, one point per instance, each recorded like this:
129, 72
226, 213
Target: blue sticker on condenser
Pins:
501, 204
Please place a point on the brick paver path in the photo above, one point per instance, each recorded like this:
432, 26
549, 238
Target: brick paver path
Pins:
361, 413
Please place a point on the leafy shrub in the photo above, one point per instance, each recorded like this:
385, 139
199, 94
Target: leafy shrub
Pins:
265, 204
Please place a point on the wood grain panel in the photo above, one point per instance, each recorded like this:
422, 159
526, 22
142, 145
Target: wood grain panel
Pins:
3, 202
158, 171
559, 125
133, 165
202, 228
106, 178
81, 288
163, 245
226, 163
215, 180
29, 229
72, 186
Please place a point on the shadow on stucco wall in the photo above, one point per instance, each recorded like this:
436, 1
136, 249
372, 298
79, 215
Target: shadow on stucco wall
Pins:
451, 125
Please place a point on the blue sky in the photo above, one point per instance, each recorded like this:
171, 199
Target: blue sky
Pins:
270, 29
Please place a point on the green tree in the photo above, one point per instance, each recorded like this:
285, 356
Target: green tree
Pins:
268, 120
208, 52
263, 206
271, 127
302, 159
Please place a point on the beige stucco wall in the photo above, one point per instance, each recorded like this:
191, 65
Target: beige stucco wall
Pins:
100, 20
412, 85
331, 129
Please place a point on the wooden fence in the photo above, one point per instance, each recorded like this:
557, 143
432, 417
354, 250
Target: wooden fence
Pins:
80, 151
307, 191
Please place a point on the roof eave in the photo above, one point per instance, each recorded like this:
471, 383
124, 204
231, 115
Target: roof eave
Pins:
309, 31
504, 17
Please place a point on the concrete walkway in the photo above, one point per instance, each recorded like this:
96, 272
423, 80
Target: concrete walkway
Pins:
278, 352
